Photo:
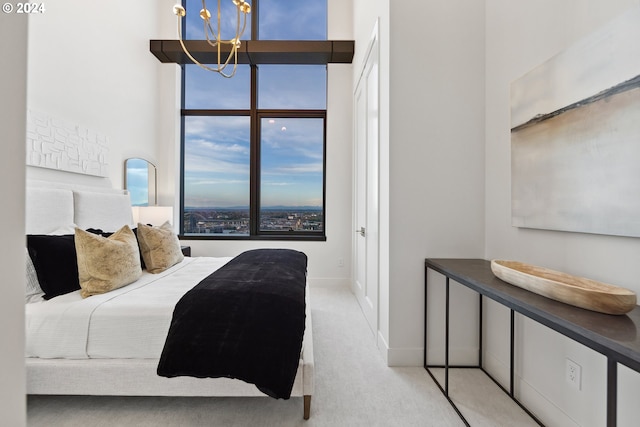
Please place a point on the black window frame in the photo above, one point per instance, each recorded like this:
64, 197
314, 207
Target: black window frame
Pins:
255, 116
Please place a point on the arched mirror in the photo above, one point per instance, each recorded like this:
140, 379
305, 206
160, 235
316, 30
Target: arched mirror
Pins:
141, 182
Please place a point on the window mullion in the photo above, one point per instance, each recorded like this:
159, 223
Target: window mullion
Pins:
182, 141
254, 198
254, 208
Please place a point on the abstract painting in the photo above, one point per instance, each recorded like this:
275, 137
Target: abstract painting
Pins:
575, 136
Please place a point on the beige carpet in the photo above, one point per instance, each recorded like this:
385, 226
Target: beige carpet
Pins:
353, 388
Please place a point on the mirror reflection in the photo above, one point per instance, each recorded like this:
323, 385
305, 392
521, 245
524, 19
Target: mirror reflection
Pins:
140, 181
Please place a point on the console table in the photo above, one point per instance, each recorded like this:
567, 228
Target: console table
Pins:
615, 337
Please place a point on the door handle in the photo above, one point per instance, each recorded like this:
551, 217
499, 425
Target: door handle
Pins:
362, 231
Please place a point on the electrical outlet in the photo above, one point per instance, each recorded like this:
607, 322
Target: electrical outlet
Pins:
573, 374
340, 262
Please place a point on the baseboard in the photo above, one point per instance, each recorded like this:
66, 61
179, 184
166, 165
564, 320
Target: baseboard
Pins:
399, 356
498, 370
383, 348
329, 281
544, 409
467, 356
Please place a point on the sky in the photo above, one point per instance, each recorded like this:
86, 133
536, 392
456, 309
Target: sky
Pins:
217, 148
138, 175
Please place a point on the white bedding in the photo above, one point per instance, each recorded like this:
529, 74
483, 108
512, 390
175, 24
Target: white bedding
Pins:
129, 322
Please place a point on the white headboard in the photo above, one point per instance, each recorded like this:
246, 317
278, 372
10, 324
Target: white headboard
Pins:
59, 207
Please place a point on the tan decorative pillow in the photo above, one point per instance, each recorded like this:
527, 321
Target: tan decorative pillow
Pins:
106, 263
160, 247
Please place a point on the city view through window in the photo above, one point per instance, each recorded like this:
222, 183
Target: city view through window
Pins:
236, 221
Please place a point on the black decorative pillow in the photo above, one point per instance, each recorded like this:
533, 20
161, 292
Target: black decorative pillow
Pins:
55, 261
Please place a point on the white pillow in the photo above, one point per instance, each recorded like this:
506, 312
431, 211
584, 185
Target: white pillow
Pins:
48, 209
104, 211
33, 291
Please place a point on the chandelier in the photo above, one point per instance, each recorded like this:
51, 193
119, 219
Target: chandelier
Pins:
213, 35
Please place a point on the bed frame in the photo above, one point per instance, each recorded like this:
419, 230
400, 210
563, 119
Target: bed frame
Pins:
54, 206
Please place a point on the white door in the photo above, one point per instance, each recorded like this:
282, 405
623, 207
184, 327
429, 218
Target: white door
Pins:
366, 206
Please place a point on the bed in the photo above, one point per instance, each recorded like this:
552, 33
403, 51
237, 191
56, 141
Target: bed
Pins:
110, 343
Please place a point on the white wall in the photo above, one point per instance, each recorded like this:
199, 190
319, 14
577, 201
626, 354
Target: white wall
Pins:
13, 82
90, 64
519, 36
323, 256
436, 151
432, 150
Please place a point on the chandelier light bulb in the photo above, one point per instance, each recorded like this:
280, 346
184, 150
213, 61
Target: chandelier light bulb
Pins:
179, 11
243, 6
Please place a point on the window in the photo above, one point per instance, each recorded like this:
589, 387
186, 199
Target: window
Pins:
291, 174
253, 146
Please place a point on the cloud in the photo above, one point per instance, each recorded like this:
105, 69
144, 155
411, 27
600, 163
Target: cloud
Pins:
219, 128
217, 148
219, 181
310, 168
293, 86
277, 184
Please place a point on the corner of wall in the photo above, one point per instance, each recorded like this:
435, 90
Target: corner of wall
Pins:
399, 356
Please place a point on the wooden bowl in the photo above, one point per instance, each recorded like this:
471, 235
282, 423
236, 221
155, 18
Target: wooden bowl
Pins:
573, 290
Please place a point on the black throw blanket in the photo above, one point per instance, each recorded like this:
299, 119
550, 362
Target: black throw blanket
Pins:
245, 321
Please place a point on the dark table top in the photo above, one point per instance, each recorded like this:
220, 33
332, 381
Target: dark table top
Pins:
614, 336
